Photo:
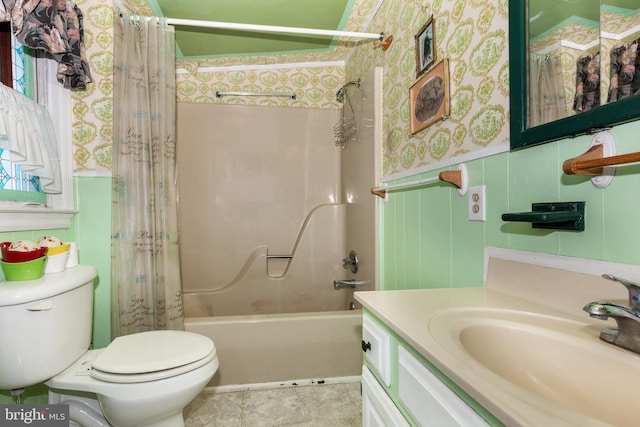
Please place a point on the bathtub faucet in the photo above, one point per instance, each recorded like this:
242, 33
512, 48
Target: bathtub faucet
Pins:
351, 262
352, 283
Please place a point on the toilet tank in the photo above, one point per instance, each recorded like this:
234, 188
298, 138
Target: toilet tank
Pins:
45, 325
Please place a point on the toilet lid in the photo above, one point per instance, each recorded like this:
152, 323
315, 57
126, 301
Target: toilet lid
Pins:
153, 351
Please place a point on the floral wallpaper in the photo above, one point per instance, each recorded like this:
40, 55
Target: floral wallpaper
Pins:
93, 108
314, 84
472, 34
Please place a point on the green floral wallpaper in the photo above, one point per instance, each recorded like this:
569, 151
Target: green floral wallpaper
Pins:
93, 108
314, 87
471, 33
314, 83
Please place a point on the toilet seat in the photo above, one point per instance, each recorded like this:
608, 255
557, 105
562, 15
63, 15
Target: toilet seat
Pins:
153, 355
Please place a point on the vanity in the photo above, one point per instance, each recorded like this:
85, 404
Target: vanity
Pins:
519, 351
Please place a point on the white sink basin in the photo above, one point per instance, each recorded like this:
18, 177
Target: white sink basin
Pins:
558, 359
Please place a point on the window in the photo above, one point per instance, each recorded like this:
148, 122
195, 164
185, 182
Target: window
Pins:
22, 205
16, 185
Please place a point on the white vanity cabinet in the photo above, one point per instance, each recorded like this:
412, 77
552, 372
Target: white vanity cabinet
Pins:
403, 390
376, 345
378, 410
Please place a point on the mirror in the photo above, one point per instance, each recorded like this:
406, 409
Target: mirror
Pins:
572, 67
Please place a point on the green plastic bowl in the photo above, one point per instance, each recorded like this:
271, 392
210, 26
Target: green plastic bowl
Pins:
28, 270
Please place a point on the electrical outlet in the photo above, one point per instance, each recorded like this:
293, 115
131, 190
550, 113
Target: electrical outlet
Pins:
477, 208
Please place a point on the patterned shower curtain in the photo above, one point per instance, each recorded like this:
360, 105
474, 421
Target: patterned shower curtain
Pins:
547, 101
145, 290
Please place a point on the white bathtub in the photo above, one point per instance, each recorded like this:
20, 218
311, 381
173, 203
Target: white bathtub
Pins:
283, 348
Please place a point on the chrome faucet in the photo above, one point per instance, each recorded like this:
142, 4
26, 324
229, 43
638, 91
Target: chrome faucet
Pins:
351, 262
351, 283
627, 335
632, 287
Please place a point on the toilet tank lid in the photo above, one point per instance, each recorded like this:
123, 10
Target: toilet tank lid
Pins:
49, 285
153, 351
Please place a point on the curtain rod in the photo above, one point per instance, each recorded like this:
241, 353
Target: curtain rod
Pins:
272, 28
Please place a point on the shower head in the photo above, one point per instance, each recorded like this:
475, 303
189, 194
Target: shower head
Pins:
343, 89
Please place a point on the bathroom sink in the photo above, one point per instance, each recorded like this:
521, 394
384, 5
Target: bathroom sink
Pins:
557, 359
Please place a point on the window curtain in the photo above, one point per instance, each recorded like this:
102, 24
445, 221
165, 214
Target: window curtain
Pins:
56, 27
547, 100
625, 79
28, 135
145, 290
587, 83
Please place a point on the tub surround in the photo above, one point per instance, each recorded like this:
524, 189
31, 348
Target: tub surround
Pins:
516, 282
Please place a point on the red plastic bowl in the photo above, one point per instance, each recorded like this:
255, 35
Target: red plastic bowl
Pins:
16, 256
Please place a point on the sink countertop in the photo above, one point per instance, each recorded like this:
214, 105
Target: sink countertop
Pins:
409, 313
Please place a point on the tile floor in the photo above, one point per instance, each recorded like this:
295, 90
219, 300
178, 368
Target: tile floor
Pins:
318, 405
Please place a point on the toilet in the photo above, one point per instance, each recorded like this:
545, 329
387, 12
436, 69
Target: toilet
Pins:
144, 379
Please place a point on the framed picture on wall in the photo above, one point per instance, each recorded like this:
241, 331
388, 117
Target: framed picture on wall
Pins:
429, 98
425, 47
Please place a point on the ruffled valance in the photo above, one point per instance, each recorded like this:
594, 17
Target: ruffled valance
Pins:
54, 26
28, 134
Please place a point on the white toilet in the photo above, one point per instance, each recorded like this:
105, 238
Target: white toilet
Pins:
143, 379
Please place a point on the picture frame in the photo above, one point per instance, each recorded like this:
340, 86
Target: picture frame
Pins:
425, 47
429, 98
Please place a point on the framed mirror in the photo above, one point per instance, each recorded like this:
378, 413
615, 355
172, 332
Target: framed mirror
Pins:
573, 67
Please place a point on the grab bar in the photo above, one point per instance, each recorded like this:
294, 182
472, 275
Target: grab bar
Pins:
340, 284
279, 256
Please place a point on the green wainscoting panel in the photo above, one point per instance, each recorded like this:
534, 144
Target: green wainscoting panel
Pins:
467, 236
621, 202
452, 247
496, 168
412, 253
393, 238
578, 187
93, 201
435, 227
534, 177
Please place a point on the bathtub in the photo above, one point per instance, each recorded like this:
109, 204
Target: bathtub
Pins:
286, 349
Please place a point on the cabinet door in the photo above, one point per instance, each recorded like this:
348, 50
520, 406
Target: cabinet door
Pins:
428, 400
378, 409
376, 344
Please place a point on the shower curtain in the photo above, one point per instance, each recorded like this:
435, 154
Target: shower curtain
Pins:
546, 96
145, 277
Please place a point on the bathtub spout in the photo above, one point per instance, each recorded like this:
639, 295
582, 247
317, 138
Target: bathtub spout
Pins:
352, 283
